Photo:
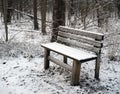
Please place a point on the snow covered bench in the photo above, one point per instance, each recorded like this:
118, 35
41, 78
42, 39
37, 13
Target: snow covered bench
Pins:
69, 40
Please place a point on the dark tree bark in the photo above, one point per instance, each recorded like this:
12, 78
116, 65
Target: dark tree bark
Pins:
9, 11
5, 18
43, 16
1, 7
21, 9
72, 7
68, 12
35, 14
118, 7
100, 12
58, 17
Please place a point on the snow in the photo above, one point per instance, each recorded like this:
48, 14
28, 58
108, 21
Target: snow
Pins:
21, 76
22, 72
69, 51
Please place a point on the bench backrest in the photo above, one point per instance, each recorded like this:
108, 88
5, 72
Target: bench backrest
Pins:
87, 40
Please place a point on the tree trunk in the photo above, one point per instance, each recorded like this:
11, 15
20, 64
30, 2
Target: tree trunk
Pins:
9, 11
58, 17
2, 8
100, 13
5, 18
21, 9
118, 7
35, 15
43, 16
68, 12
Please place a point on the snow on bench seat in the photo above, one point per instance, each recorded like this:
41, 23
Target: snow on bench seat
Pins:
73, 53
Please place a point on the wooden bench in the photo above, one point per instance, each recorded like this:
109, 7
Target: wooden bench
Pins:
69, 40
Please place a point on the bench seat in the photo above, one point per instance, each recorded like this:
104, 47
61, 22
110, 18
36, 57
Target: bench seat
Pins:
70, 52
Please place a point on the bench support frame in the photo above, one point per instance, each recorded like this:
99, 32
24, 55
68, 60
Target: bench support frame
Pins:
65, 59
46, 55
97, 67
75, 72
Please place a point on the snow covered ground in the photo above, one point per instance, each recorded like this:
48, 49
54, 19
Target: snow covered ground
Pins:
22, 72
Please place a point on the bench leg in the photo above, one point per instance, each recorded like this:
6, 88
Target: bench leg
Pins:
97, 67
46, 61
65, 59
75, 72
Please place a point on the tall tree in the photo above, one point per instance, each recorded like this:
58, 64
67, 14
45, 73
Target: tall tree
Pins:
21, 8
58, 17
68, 11
9, 11
5, 18
1, 7
117, 2
35, 14
43, 16
100, 12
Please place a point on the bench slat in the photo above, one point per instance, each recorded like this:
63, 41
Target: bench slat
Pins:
80, 39
72, 53
94, 35
77, 44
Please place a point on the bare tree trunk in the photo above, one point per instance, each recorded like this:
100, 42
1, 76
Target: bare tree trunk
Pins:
5, 19
100, 13
118, 7
58, 17
21, 9
43, 16
35, 15
2, 8
68, 12
9, 11
17, 6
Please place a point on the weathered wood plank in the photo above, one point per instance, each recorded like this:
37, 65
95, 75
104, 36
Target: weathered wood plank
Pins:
90, 34
97, 66
80, 39
58, 62
65, 59
75, 72
77, 44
